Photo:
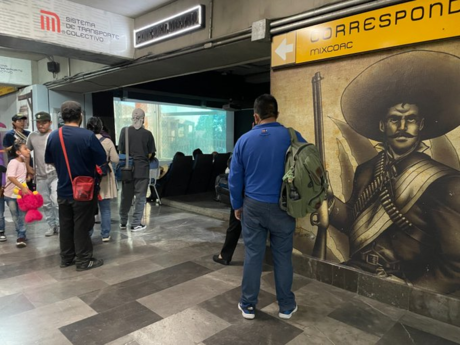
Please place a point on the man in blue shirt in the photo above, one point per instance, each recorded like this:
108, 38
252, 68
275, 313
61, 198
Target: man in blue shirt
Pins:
76, 218
257, 168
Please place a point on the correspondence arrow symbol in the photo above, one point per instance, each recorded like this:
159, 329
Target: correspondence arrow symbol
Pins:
283, 49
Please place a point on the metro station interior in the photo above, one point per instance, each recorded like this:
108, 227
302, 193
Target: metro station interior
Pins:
196, 68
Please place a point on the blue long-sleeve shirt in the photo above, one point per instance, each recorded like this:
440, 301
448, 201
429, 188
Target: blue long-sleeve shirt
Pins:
258, 164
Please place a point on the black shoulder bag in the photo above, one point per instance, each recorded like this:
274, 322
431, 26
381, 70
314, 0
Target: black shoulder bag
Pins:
127, 172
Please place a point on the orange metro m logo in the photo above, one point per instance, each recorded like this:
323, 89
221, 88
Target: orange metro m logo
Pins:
50, 21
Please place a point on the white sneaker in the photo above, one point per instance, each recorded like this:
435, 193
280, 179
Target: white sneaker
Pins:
138, 227
51, 232
106, 239
287, 314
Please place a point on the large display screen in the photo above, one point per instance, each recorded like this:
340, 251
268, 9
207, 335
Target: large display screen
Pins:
179, 128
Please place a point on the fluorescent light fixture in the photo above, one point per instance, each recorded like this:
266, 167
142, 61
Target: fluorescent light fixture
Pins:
199, 24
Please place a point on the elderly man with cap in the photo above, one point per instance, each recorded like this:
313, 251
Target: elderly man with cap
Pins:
45, 174
402, 217
141, 146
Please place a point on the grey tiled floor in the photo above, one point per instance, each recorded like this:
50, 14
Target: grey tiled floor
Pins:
160, 286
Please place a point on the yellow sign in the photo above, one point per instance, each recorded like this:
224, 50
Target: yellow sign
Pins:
407, 23
4, 90
283, 49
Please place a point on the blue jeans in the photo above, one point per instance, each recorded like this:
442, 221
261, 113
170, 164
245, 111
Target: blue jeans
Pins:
104, 209
2, 214
18, 217
259, 219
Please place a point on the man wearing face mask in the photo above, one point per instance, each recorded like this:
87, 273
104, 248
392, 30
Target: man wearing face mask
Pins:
141, 150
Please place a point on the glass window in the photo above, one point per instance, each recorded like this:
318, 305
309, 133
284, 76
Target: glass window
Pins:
180, 128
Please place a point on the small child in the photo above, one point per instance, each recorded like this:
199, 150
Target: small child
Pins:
16, 175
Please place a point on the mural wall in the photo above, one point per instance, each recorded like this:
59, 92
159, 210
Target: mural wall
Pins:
391, 137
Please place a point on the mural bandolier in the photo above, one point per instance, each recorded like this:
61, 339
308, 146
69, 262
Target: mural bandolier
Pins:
403, 216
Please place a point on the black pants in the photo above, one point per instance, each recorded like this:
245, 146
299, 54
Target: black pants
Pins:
76, 219
232, 237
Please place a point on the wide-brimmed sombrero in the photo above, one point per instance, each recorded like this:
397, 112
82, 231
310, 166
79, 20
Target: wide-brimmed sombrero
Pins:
429, 79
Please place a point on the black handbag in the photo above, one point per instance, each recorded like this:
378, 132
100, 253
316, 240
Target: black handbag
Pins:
127, 172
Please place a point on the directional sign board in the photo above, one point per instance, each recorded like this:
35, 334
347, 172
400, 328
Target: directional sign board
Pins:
407, 23
283, 49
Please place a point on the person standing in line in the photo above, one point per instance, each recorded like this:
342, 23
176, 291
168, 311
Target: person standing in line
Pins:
46, 176
141, 149
16, 176
231, 240
108, 187
76, 218
2, 205
2, 189
19, 122
232, 236
257, 167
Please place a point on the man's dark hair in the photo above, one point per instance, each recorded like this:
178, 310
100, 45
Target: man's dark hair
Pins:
178, 154
70, 111
266, 106
196, 152
94, 125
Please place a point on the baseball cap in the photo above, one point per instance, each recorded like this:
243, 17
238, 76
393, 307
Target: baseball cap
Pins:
138, 113
18, 117
42, 116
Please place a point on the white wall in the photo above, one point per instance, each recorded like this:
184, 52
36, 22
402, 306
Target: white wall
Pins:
67, 67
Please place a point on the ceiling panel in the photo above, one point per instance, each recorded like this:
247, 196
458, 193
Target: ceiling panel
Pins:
7, 52
243, 52
128, 8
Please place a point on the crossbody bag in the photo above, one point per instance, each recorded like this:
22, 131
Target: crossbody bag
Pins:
127, 172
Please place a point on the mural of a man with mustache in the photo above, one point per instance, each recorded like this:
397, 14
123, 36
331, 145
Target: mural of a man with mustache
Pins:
403, 216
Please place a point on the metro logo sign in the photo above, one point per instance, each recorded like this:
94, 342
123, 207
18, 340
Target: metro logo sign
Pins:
50, 21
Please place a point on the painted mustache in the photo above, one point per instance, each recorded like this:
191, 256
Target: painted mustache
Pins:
402, 135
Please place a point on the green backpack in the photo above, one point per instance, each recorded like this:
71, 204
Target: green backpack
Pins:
305, 181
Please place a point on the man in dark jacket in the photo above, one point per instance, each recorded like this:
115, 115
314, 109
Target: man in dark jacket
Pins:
76, 218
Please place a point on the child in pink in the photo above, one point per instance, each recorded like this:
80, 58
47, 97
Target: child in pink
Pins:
16, 175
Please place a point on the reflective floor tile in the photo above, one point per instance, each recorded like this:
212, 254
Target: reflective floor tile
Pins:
401, 334
39, 325
225, 305
14, 304
361, 316
188, 327
63, 290
107, 326
264, 329
185, 295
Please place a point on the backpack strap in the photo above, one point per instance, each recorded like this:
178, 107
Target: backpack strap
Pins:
293, 135
101, 139
294, 140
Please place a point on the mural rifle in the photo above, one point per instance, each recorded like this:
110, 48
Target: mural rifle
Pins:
321, 217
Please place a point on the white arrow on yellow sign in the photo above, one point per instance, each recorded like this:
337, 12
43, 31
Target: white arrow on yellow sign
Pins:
283, 49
